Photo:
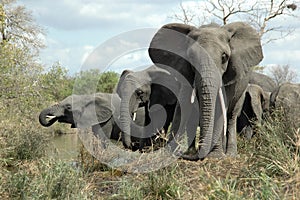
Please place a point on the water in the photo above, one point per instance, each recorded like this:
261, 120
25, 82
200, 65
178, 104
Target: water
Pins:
64, 147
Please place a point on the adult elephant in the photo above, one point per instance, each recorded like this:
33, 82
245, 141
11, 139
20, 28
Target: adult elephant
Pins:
208, 56
262, 80
287, 97
255, 104
154, 89
85, 111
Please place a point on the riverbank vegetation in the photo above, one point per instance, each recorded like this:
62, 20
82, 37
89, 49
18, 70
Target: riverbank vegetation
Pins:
267, 167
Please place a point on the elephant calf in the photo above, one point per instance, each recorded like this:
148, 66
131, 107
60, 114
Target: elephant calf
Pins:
85, 111
256, 102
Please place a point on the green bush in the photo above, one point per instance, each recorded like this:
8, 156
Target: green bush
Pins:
56, 84
92, 81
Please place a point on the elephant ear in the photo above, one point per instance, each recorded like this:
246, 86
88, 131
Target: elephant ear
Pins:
246, 50
97, 110
169, 45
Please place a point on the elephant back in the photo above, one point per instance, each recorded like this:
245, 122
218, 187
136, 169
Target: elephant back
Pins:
264, 81
287, 97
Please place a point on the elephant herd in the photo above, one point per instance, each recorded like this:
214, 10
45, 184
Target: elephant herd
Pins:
201, 77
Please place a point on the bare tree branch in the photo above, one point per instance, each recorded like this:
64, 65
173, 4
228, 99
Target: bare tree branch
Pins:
283, 74
187, 17
258, 13
18, 27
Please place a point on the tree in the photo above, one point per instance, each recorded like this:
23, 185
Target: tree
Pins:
19, 37
282, 74
17, 26
107, 82
91, 81
56, 84
258, 13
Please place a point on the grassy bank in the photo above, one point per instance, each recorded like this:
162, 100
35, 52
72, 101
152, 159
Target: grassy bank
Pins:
267, 168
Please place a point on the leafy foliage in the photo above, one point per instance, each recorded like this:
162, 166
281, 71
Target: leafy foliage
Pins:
56, 84
92, 81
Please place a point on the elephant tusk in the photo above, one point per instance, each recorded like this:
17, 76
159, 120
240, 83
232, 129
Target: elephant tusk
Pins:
193, 95
134, 116
50, 117
223, 110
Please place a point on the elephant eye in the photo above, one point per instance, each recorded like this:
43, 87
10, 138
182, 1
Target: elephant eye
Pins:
68, 107
224, 58
139, 92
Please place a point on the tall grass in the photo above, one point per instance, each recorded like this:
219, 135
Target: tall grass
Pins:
267, 168
45, 179
162, 184
273, 159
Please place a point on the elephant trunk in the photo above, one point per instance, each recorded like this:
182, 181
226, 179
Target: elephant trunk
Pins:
125, 120
44, 117
207, 82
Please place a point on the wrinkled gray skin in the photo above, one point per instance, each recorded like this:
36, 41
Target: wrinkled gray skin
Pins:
255, 104
150, 88
206, 56
264, 81
85, 111
287, 97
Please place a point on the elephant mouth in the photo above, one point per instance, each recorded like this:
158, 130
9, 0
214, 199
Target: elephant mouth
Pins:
66, 120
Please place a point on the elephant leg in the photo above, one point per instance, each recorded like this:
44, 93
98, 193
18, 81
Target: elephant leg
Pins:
103, 132
176, 130
182, 114
191, 129
231, 147
170, 114
218, 150
115, 134
144, 132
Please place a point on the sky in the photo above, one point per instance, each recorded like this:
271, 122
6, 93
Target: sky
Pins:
76, 28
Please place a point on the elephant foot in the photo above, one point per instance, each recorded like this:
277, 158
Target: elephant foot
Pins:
231, 153
191, 151
192, 154
193, 157
216, 154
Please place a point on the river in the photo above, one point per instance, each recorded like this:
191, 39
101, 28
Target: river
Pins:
64, 146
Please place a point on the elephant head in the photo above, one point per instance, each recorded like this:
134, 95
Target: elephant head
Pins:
79, 110
208, 56
136, 89
255, 104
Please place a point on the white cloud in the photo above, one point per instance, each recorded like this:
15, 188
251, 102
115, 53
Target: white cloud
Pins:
75, 27
87, 50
